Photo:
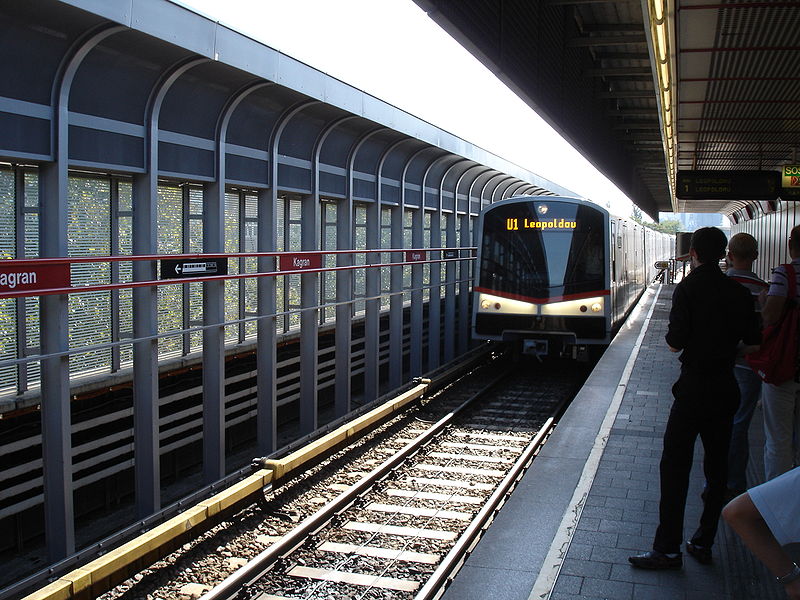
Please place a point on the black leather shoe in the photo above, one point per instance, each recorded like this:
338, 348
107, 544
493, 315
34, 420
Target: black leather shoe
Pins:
656, 561
700, 553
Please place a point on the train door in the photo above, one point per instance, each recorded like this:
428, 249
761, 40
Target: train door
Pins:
624, 267
613, 275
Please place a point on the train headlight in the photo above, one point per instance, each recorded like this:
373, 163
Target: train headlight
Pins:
485, 304
596, 307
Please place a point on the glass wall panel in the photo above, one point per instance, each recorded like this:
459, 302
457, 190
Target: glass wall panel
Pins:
281, 323
232, 285
89, 234
360, 275
193, 299
408, 218
8, 307
125, 273
328, 280
294, 226
386, 242
250, 241
30, 372
426, 241
170, 241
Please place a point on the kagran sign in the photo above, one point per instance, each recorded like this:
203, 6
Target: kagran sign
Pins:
300, 262
34, 278
554, 224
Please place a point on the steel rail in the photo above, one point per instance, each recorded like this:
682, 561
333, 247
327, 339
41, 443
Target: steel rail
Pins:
242, 579
443, 574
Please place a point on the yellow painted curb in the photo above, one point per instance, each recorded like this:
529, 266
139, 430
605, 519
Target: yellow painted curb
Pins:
81, 579
284, 466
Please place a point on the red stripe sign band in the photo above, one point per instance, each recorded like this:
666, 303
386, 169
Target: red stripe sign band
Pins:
37, 277
299, 262
416, 255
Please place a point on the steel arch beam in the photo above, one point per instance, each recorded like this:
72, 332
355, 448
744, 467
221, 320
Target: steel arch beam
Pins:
266, 352
145, 302
214, 298
310, 289
415, 349
344, 285
55, 397
435, 270
492, 199
373, 285
450, 267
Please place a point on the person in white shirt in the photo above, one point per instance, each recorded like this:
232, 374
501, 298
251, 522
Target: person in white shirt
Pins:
765, 517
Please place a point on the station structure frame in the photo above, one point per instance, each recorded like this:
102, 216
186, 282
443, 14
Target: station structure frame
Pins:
145, 99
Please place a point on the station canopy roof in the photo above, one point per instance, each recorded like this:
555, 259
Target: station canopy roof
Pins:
648, 88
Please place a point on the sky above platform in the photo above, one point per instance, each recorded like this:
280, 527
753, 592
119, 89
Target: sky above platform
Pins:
392, 50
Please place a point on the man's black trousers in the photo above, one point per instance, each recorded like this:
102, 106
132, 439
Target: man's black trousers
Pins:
704, 405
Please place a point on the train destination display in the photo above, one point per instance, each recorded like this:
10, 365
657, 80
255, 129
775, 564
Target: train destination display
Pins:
515, 224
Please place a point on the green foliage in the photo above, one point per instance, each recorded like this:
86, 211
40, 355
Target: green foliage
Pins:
666, 226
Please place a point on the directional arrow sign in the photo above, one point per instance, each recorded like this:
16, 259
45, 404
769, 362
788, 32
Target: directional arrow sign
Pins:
176, 268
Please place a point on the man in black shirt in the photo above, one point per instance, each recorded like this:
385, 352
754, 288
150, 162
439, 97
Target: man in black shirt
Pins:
710, 315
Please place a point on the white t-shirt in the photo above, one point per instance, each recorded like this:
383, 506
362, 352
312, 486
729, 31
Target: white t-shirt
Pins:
778, 501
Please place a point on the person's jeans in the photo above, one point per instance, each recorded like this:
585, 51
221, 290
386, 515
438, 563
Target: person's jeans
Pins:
782, 427
739, 453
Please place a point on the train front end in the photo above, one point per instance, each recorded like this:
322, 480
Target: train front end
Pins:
542, 275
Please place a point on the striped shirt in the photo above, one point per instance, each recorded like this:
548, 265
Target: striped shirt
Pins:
778, 283
756, 285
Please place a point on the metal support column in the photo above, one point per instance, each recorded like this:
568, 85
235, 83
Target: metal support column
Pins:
266, 353
344, 306
55, 403
417, 241
146, 448
214, 336
465, 275
372, 306
396, 302
450, 294
54, 318
435, 302
145, 352
309, 317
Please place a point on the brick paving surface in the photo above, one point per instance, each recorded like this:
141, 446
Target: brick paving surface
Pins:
621, 511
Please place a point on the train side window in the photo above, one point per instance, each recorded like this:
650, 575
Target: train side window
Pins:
613, 251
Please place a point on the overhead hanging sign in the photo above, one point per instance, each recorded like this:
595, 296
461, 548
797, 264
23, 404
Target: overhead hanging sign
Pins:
790, 182
790, 176
727, 185
178, 268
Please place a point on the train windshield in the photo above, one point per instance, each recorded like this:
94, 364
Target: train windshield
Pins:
539, 251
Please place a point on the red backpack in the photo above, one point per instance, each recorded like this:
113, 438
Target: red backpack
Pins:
777, 359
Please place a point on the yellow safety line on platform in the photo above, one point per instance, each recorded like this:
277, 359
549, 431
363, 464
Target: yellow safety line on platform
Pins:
81, 579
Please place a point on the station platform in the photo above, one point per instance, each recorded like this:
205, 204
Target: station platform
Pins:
590, 499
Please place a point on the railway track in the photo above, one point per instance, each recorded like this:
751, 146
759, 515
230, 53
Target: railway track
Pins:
396, 520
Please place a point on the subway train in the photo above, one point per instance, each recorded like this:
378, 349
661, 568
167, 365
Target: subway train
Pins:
558, 275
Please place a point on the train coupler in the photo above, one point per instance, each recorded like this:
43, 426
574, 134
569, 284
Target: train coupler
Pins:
537, 348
